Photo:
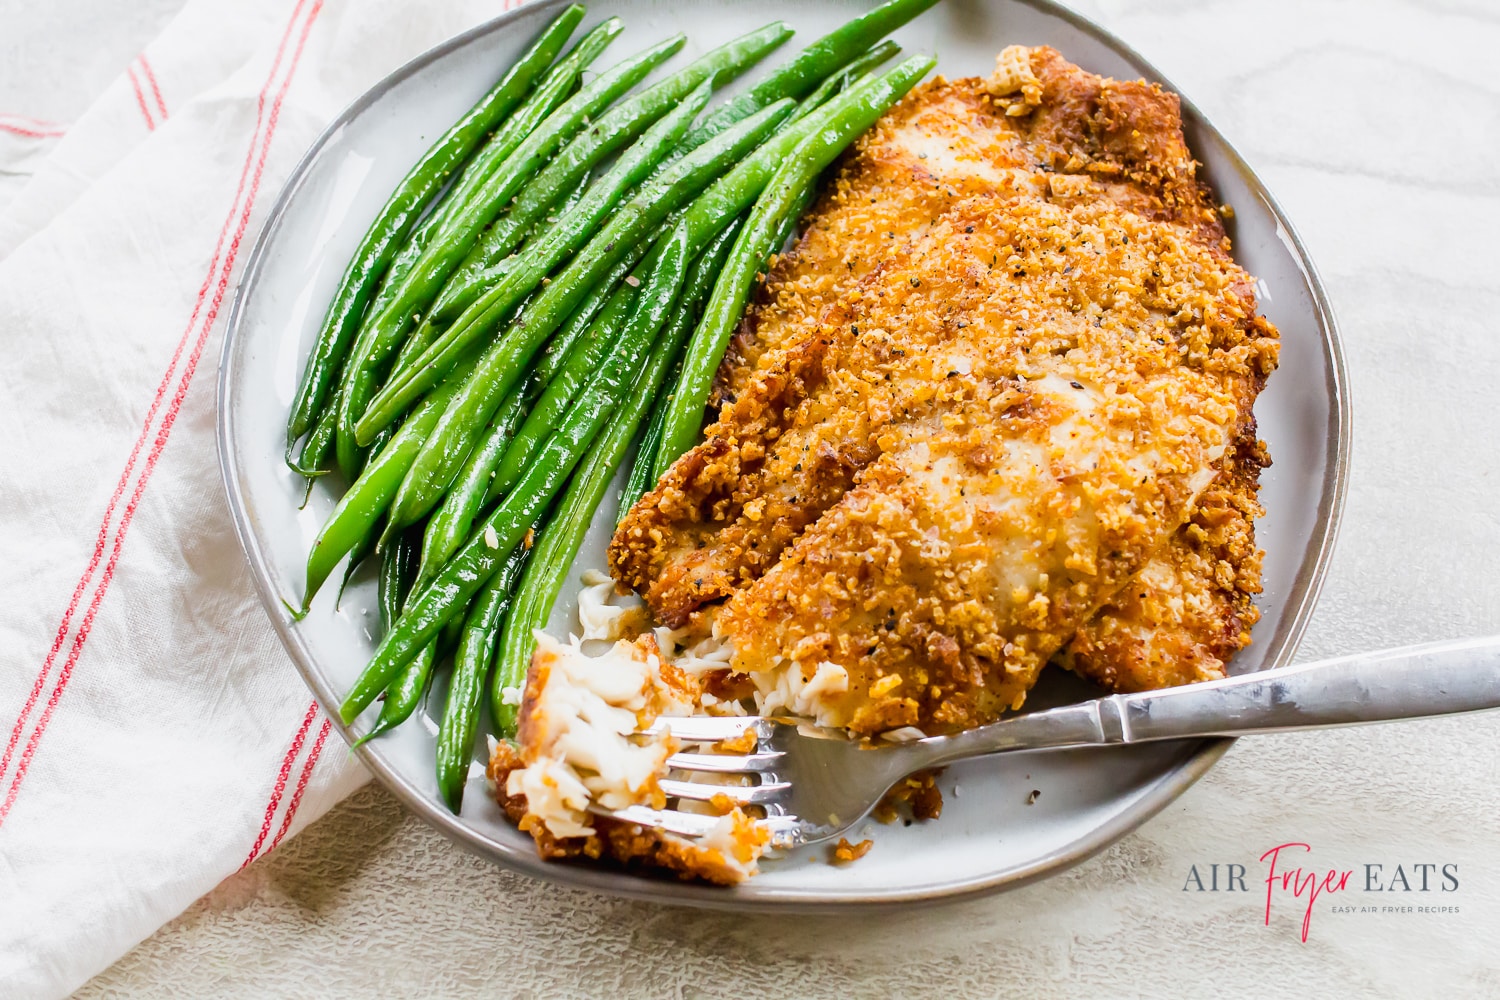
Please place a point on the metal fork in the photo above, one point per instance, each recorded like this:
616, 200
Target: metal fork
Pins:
815, 784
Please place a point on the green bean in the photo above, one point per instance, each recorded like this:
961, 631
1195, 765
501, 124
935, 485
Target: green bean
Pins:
458, 294
401, 698
552, 356
684, 318
369, 495
439, 461
534, 114
377, 335
365, 544
839, 82
846, 116
812, 65
555, 217
454, 587
453, 629
800, 205
583, 361
394, 581
396, 218
457, 235
453, 438
471, 666
621, 125
313, 459
505, 358
503, 529
573, 197
449, 525
404, 693
644, 471
724, 199
358, 382
564, 533
527, 271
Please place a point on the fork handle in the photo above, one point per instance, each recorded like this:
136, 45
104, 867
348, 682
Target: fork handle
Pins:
1411, 682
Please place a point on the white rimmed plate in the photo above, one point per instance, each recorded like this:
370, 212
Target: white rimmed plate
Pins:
988, 836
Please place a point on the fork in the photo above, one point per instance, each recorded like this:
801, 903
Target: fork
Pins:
815, 784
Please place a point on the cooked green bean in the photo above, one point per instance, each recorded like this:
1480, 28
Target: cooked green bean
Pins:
457, 235
377, 337
366, 542
619, 126
553, 355
503, 529
503, 361
369, 495
582, 363
394, 581
700, 283
845, 117
312, 461
812, 65
394, 584
471, 667
839, 82
445, 451
358, 553
464, 420
794, 215
400, 213
356, 381
449, 525
564, 531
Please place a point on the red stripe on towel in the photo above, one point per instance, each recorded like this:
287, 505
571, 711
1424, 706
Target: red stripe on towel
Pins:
32, 132
171, 415
302, 780
279, 788
150, 76
140, 98
102, 539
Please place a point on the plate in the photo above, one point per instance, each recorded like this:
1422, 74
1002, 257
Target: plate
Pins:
988, 837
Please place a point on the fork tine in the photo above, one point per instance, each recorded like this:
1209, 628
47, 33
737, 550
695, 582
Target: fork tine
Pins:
725, 763
739, 794
701, 729
691, 824
681, 823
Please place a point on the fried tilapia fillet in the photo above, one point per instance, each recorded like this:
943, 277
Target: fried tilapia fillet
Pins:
995, 408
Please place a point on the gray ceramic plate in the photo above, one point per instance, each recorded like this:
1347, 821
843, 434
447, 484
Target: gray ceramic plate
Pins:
987, 837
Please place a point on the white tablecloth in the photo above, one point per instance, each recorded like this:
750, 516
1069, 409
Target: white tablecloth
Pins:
1377, 124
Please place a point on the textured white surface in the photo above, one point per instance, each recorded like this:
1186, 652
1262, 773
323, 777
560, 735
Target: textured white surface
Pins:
1377, 124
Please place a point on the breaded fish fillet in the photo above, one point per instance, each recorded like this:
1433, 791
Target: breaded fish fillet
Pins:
1007, 372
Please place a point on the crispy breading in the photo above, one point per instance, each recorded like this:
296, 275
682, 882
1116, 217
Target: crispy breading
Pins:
986, 392
1191, 608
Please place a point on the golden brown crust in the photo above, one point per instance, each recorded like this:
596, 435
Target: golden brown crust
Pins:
917, 795
844, 853
1192, 607
984, 393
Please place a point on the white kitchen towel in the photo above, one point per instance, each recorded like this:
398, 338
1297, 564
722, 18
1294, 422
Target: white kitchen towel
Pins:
154, 738
24, 144
202, 46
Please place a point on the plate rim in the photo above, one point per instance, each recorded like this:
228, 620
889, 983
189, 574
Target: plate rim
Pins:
1308, 583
